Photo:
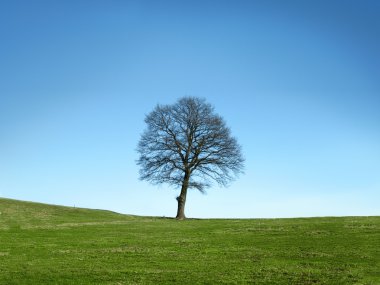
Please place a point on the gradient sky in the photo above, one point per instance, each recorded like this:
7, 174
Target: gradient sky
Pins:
298, 82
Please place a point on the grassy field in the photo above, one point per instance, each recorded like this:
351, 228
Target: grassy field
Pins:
43, 244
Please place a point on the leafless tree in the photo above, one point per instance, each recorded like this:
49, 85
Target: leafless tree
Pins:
187, 145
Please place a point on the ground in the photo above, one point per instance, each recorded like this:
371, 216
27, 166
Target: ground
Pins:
42, 244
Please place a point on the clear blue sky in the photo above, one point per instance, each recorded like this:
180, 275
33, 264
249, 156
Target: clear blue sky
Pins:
297, 81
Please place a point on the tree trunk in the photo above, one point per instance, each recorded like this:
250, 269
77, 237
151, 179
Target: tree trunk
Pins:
182, 198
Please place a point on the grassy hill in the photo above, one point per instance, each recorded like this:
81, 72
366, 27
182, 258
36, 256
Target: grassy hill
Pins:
43, 244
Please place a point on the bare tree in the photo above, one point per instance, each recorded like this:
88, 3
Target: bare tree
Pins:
186, 144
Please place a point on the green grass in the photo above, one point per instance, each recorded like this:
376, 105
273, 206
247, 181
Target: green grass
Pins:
43, 244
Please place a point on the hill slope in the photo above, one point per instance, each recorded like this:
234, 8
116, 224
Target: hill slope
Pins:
25, 215
43, 244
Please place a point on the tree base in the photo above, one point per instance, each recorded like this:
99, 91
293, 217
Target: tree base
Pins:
181, 206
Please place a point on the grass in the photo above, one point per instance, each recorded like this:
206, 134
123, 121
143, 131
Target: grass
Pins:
43, 244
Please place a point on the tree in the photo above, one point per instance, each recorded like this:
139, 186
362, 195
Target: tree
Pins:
187, 145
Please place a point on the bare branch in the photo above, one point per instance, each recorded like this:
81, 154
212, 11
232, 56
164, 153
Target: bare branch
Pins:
188, 137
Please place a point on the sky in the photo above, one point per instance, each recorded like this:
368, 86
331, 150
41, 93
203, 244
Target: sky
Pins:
296, 81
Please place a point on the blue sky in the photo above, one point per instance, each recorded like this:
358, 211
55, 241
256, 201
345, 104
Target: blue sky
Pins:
296, 81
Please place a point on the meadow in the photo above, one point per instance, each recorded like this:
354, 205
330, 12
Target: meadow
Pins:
45, 244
